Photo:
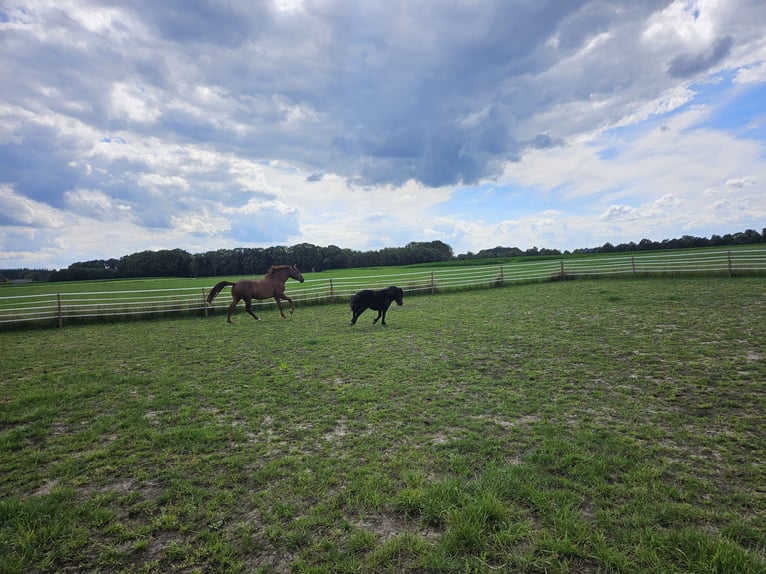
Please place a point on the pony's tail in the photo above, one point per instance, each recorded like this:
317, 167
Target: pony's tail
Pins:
216, 290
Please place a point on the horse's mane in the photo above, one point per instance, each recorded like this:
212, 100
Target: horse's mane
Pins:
274, 268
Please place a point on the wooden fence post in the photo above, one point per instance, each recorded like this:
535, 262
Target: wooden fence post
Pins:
58, 309
502, 279
433, 284
332, 292
204, 301
633, 264
562, 268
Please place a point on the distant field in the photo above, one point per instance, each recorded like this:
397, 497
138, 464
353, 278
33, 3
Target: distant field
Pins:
206, 282
573, 426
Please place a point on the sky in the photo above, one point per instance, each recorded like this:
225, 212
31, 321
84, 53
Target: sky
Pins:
205, 125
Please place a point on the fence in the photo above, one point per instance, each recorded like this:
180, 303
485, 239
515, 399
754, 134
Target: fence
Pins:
61, 308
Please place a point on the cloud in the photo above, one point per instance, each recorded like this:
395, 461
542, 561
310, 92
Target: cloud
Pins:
378, 123
740, 182
751, 74
687, 64
620, 212
95, 204
18, 210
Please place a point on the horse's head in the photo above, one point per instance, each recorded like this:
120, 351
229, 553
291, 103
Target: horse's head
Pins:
295, 273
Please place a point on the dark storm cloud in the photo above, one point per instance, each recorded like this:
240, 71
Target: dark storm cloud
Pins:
686, 64
40, 167
393, 91
226, 24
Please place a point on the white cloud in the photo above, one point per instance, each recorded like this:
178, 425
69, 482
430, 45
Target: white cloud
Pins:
751, 75
133, 103
740, 182
619, 212
18, 210
95, 204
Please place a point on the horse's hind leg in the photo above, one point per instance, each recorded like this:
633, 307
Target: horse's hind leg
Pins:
380, 314
231, 309
249, 309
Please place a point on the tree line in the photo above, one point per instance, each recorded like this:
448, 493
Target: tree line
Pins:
246, 261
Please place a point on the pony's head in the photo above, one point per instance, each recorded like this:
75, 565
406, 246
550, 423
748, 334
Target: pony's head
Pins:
397, 293
295, 273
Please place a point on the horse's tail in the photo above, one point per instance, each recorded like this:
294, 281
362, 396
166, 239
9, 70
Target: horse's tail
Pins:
217, 289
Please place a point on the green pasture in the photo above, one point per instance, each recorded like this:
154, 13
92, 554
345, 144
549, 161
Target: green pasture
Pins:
561, 427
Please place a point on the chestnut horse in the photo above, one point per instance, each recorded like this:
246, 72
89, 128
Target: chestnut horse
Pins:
272, 285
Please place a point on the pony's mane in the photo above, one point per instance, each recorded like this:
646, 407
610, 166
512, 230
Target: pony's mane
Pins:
274, 268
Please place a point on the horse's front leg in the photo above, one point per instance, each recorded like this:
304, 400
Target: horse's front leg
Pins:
279, 306
286, 298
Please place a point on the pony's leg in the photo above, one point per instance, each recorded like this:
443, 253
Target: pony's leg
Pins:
249, 309
380, 314
234, 302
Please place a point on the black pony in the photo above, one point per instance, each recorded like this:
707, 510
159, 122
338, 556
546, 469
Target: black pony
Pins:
379, 301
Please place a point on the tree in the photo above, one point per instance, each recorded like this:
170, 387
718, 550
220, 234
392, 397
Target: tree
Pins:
751, 236
333, 257
255, 261
164, 263
306, 256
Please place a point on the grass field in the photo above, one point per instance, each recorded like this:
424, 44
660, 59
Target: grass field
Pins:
578, 426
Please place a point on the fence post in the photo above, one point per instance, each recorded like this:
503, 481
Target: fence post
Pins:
433, 285
332, 293
58, 308
633, 263
728, 262
502, 279
562, 268
204, 301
